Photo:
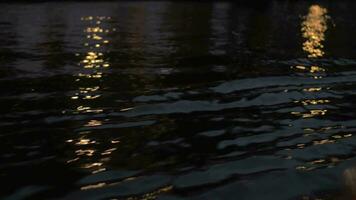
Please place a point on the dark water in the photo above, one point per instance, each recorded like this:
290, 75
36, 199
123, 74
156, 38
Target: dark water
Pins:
146, 100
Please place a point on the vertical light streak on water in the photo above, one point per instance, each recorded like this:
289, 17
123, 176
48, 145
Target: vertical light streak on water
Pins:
93, 65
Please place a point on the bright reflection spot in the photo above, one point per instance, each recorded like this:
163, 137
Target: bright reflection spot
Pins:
318, 161
300, 67
94, 123
91, 97
85, 152
93, 65
96, 37
94, 60
91, 165
99, 170
109, 151
313, 29
312, 69
94, 30
311, 113
313, 102
322, 162
313, 89
72, 160
99, 185
88, 89
82, 108
326, 141
126, 109
85, 142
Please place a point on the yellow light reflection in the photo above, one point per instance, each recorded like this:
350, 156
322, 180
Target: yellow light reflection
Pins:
93, 65
99, 170
82, 108
91, 165
72, 160
313, 29
88, 89
85, 152
325, 141
313, 89
310, 113
92, 123
85, 142
322, 162
126, 109
94, 186
94, 60
109, 151
311, 69
91, 97
314, 69
315, 102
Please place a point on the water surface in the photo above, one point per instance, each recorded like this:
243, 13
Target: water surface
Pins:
176, 100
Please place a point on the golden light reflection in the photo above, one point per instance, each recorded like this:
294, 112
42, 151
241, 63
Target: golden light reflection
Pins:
318, 161
99, 170
315, 102
93, 65
322, 162
310, 131
126, 109
312, 101
310, 113
325, 141
115, 141
313, 29
72, 160
326, 161
108, 151
313, 89
91, 165
94, 60
94, 186
92, 123
311, 69
85, 142
86, 152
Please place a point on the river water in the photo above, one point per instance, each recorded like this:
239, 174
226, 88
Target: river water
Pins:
177, 100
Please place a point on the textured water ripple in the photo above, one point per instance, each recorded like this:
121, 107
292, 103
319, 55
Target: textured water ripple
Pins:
161, 100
